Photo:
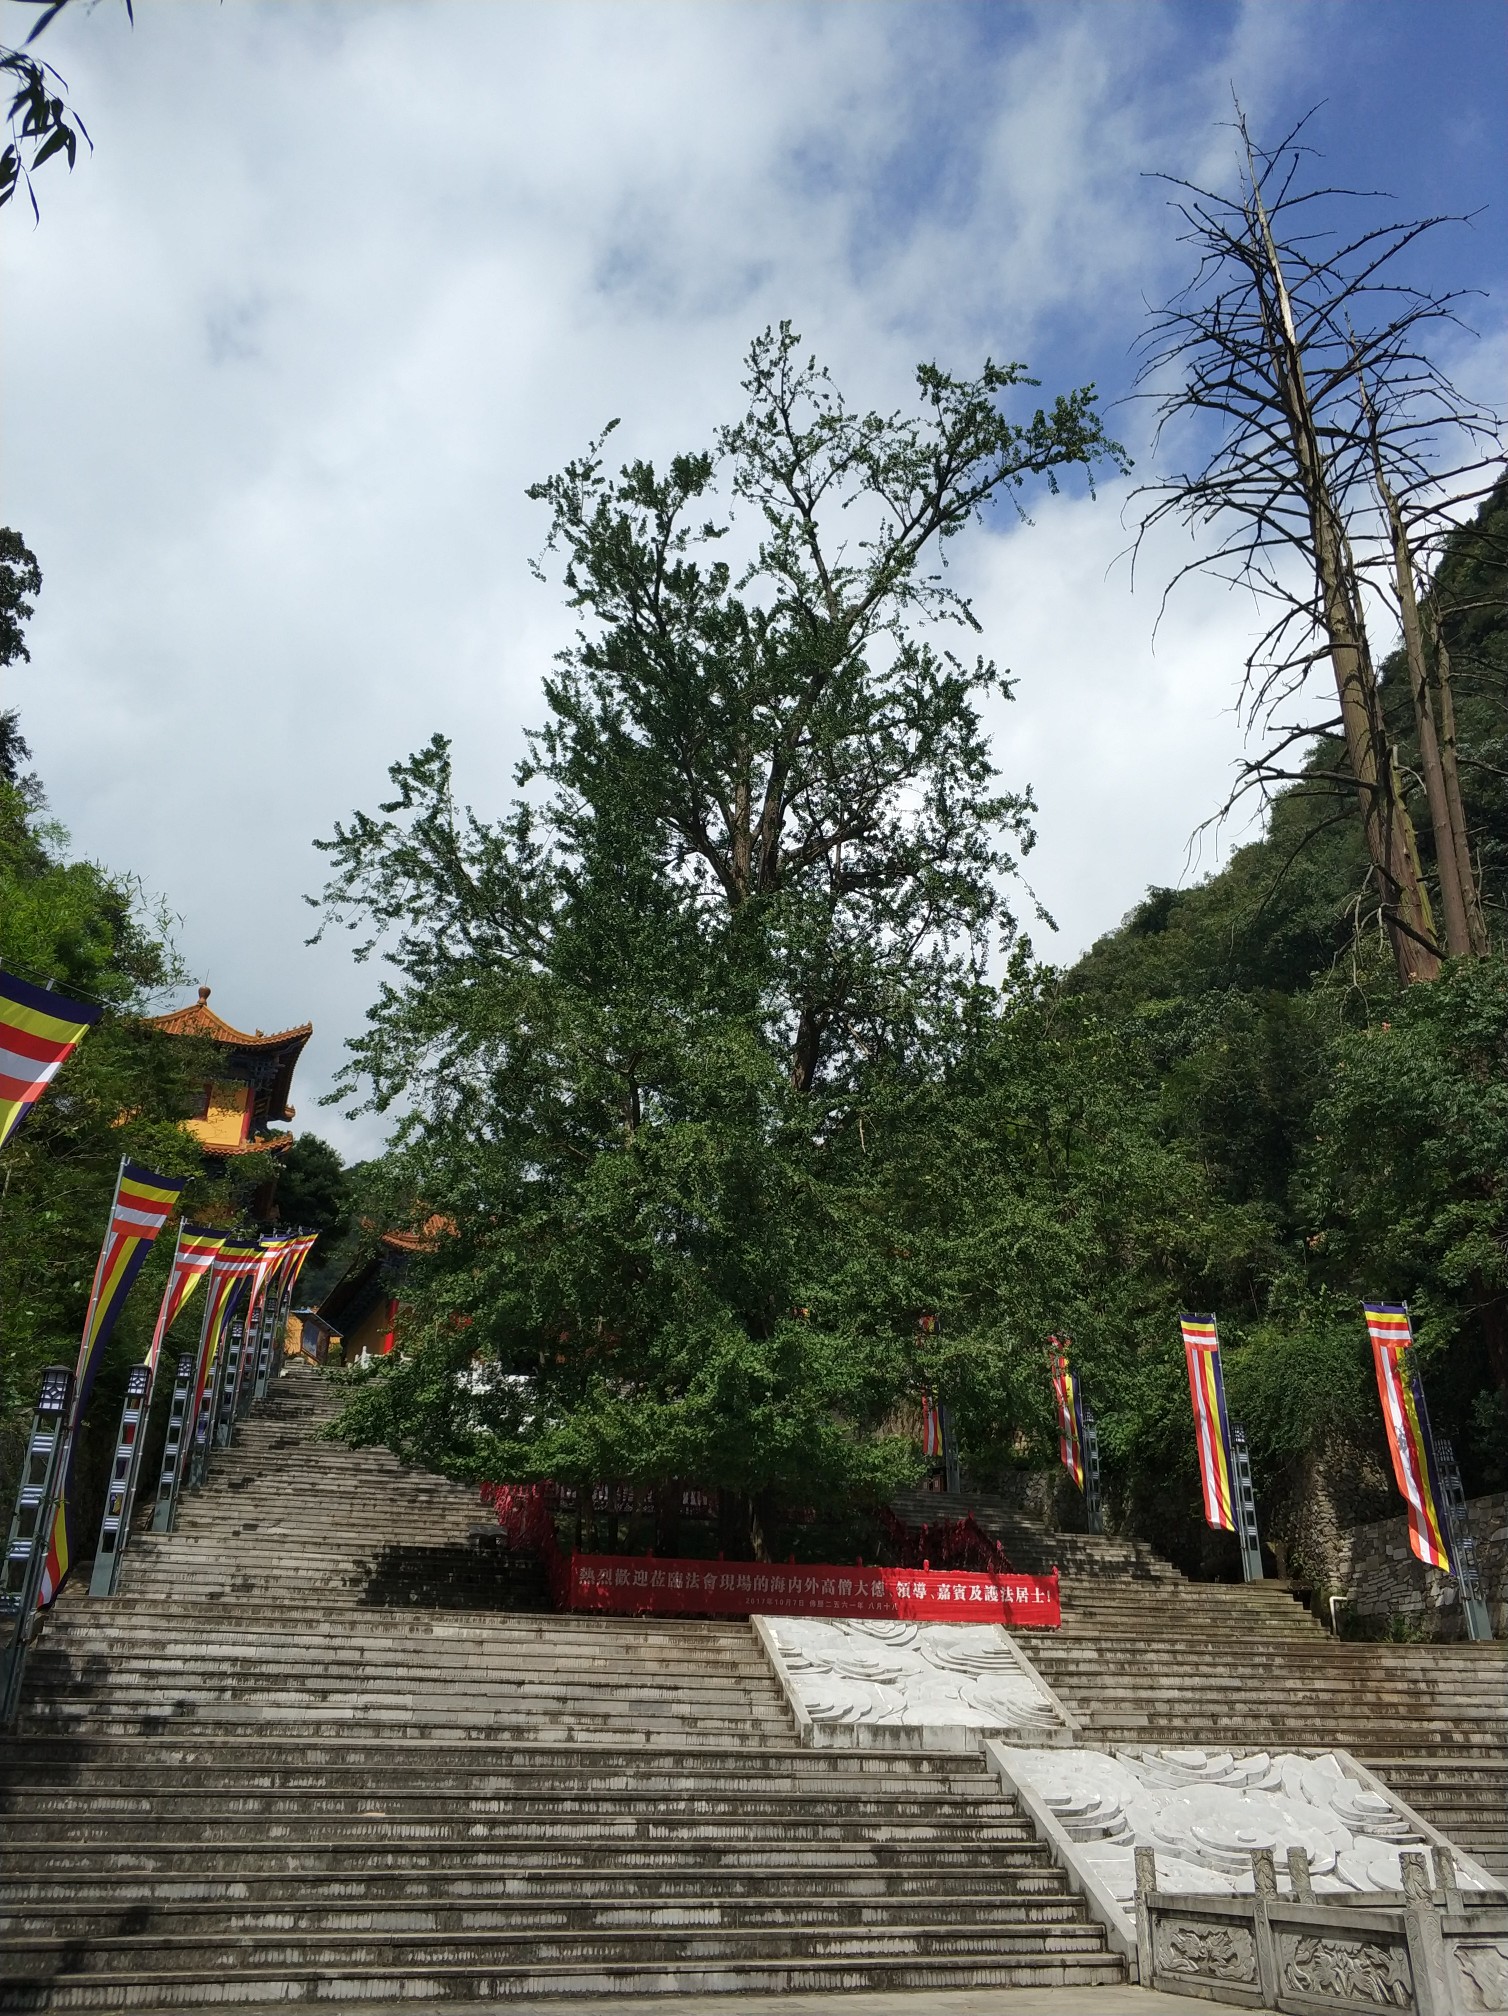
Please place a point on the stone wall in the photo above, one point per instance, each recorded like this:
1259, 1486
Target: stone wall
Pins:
1382, 1578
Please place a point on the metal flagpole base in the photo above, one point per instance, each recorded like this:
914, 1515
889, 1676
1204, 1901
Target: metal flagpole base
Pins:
1463, 1548
1093, 1512
113, 1527
31, 1533
1246, 1507
174, 1450
1478, 1620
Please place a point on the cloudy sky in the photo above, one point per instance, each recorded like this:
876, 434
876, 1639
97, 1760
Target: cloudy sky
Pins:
338, 281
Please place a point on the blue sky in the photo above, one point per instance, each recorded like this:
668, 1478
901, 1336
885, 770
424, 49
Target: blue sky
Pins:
339, 281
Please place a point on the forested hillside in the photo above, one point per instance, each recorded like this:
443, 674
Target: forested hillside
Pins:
1359, 1130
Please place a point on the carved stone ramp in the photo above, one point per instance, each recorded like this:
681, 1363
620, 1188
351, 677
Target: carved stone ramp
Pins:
1145, 1656
270, 1772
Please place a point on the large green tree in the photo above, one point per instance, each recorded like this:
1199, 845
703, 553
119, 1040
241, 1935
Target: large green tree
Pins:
761, 860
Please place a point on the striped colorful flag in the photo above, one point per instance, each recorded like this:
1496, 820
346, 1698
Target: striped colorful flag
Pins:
1065, 1387
143, 1203
198, 1247
932, 1433
273, 1253
299, 1249
1201, 1347
302, 1248
271, 1256
229, 1271
38, 1030
1407, 1421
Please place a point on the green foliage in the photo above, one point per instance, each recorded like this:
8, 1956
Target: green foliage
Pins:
315, 1192
636, 1022
43, 125
1362, 1124
20, 577
710, 1101
122, 1092
73, 924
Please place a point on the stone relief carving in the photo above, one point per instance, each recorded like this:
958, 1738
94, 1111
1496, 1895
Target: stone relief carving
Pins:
1220, 1952
1482, 1973
890, 1673
1205, 1811
1345, 1969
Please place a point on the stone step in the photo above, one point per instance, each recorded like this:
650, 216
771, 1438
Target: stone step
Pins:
436, 1647
188, 1924
140, 1792
443, 1866
381, 1988
74, 1757
404, 1952
395, 1727
524, 1835
37, 1777
111, 1890
559, 1807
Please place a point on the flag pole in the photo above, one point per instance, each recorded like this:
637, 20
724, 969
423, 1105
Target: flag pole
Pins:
31, 1531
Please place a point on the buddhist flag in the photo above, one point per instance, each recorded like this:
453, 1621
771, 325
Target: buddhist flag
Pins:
198, 1247
231, 1267
270, 1255
143, 1201
1407, 1422
1201, 1347
38, 1030
273, 1255
1065, 1387
302, 1248
299, 1250
932, 1433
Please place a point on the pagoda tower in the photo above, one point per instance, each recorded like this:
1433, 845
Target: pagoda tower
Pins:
250, 1089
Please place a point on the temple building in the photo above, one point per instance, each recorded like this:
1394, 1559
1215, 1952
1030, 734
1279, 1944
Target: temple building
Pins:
250, 1088
361, 1315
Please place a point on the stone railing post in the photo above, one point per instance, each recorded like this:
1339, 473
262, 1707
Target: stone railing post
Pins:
1264, 1876
1298, 1875
1146, 1887
1447, 1885
1426, 1948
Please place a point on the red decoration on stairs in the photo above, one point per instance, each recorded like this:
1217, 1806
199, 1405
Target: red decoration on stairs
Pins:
649, 1586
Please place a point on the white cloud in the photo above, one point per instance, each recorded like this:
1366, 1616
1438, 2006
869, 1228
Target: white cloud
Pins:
339, 281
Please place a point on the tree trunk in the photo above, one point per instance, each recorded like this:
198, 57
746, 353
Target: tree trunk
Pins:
807, 1053
1388, 828
1476, 923
1495, 1329
1450, 845
735, 1519
668, 1518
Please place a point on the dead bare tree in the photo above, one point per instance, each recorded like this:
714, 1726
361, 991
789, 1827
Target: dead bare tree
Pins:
1334, 456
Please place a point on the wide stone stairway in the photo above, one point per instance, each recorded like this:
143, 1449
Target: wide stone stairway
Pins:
296, 1759
1145, 1656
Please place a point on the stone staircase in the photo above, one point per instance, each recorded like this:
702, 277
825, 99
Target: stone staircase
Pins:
299, 1758
1146, 1656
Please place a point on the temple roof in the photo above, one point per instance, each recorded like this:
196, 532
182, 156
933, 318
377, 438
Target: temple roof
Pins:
424, 1240
259, 1144
201, 1020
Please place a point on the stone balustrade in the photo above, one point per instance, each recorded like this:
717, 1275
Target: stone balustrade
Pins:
1423, 1950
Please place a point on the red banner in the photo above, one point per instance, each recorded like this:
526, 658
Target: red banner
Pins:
643, 1584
